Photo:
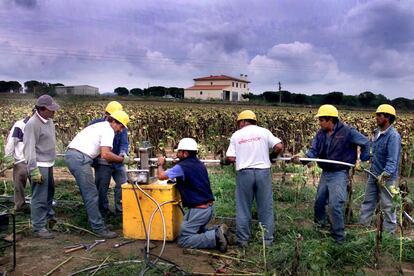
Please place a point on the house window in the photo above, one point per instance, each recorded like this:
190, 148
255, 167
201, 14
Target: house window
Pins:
232, 84
211, 83
237, 84
201, 92
244, 85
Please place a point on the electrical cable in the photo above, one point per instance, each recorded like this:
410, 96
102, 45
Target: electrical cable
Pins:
146, 256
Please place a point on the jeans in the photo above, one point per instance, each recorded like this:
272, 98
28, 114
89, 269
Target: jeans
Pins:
42, 199
193, 231
332, 190
372, 195
19, 180
103, 175
254, 184
79, 165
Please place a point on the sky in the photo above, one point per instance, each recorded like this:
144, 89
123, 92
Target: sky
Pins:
310, 46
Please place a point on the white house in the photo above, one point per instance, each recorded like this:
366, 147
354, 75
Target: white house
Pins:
77, 90
220, 87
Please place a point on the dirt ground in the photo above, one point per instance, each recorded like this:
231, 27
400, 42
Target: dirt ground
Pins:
38, 256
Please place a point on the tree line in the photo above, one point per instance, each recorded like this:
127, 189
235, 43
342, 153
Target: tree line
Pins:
31, 87
364, 99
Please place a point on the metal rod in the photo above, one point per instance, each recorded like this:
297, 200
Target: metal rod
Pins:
316, 160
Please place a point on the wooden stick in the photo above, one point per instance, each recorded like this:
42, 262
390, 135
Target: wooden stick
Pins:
192, 251
231, 274
59, 265
99, 267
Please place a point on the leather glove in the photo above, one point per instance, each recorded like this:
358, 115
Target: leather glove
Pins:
295, 158
224, 161
362, 165
36, 176
272, 157
8, 161
382, 178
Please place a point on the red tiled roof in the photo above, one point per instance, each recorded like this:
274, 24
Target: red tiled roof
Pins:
207, 87
221, 77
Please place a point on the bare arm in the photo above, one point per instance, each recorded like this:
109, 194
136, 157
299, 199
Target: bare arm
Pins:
109, 156
161, 170
278, 148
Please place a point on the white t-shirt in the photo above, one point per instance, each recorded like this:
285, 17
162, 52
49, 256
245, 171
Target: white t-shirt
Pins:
90, 140
250, 145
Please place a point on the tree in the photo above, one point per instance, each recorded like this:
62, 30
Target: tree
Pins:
334, 98
30, 86
121, 91
137, 92
367, 98
10, 87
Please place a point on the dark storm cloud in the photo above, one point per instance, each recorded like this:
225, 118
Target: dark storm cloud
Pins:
317, 45
29, 4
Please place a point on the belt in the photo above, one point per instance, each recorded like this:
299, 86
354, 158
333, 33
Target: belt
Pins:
205, 206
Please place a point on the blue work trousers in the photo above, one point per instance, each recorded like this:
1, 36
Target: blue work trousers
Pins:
254, 184
332, 191
193, 232
372, 196
103, 175
79, 165
42, 198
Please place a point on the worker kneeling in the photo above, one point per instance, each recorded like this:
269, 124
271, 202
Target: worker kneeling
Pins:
194, 187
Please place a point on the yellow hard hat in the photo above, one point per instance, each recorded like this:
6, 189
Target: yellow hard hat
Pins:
246, 115
327, 110
386, 108
121, 117
113, 106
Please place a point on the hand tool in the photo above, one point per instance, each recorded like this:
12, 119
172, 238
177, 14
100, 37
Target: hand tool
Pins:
122, 243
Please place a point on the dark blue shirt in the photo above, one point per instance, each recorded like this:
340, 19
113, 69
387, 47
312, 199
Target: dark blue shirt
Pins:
340, 146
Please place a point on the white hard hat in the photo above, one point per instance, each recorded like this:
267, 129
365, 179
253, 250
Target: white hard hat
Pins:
187, 144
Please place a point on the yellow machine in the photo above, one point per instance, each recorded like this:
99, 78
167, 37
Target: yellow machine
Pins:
165, 195
132, 221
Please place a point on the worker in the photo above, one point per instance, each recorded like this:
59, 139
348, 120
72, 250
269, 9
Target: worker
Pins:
39, 150
385, 148
14, 158
89, 143
194, 187
249, 149
104, 170
334, 141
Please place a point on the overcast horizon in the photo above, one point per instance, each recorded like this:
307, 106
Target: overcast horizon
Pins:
311, 47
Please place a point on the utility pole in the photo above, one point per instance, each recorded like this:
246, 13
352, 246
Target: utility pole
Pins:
280, 93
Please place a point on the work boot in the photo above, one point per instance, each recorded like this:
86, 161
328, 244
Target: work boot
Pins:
43, 234
221, 239
106, 234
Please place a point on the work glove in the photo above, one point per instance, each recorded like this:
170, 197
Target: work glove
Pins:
224, 161
128, 161
295, 158
36, 176
8, 161
382, 178
362, 165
